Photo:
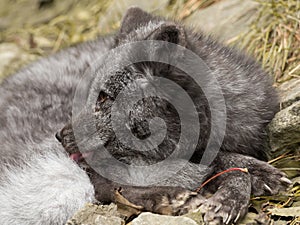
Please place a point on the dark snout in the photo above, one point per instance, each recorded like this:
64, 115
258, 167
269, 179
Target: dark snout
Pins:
66, 137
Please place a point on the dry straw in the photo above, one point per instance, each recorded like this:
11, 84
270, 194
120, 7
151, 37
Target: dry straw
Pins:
274, 38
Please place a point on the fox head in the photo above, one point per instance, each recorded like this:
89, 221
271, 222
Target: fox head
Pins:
129, 110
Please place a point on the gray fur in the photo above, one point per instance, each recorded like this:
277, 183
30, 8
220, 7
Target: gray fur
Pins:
36, 103
39, 183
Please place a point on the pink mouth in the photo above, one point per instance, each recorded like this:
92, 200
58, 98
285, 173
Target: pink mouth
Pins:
79, 157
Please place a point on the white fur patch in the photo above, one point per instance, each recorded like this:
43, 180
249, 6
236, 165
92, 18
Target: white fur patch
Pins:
49, 189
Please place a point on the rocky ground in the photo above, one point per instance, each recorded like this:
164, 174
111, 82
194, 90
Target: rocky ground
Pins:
31, 29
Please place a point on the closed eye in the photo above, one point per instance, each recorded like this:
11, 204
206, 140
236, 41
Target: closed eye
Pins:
102, 97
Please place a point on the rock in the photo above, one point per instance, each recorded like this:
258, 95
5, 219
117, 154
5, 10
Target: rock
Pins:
289, 92
225, 19
284, 130
93, 214
113, 220
155, 219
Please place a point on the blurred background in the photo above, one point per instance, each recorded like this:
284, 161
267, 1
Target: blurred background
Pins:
268, 29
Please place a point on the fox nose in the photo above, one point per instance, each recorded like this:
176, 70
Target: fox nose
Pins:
58, 136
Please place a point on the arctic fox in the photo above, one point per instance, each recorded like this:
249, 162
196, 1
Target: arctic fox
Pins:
42, 184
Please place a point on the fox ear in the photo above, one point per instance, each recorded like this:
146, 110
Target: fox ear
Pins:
134, 18
170, 32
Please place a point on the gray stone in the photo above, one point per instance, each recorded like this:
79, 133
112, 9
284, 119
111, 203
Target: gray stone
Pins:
112, 220
155, 219
289, 92
93, 214
225, 19
284, 130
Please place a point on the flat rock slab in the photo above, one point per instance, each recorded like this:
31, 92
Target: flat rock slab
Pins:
155, 219
97, 215
289, 92
284, 130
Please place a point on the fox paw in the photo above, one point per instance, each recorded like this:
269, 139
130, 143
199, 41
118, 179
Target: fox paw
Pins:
223, 208
266, 179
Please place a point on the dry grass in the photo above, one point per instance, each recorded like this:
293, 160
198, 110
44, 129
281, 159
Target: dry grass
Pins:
185, 8
33, 32
79, 24
274, 38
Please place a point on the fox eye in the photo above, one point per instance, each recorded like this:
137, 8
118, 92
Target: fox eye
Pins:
102, 97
